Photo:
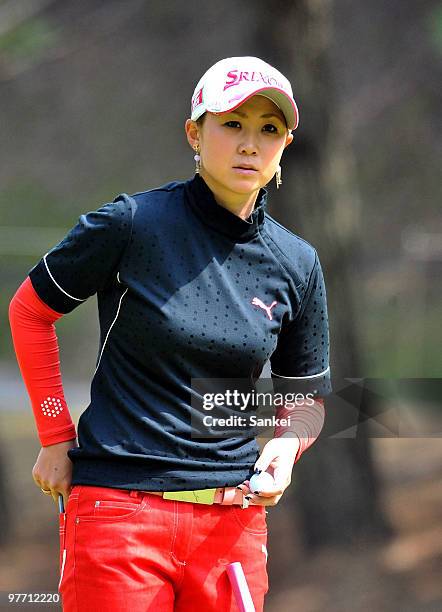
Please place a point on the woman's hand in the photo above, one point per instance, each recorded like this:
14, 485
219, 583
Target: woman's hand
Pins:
277, 458
53, 469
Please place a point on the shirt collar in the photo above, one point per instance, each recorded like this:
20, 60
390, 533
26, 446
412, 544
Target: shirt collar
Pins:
202, 201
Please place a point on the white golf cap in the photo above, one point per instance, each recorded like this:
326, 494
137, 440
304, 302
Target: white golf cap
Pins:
232, 81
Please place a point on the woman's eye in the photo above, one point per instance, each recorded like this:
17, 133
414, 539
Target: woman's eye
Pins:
232, 123
270, 128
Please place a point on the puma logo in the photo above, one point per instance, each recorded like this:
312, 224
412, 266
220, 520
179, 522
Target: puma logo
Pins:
257, 302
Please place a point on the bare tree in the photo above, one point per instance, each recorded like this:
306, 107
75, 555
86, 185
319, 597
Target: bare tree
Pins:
337, 485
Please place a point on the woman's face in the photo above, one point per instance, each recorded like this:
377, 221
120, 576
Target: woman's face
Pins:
254, 135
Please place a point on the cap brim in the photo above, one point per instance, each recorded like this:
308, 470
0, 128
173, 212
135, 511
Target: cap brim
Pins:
278, 96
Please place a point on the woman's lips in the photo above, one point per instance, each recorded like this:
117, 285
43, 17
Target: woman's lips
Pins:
245, 170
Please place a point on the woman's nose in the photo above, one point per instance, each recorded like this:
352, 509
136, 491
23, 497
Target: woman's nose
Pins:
248, 147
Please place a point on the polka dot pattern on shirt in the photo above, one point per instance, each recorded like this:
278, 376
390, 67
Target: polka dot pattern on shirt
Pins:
185, 289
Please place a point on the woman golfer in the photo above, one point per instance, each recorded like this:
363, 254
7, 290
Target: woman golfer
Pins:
194, 280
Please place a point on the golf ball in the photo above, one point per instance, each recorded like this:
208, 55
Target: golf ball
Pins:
261, 482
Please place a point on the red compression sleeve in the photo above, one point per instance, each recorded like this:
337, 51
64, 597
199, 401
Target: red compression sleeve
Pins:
305, 421
36, 347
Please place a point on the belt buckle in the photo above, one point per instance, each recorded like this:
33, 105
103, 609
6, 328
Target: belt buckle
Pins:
199, 496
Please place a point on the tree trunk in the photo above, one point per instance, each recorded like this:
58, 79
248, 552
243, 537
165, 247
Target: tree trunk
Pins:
336, 483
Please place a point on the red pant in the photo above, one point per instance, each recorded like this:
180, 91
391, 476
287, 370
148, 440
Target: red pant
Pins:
126, 550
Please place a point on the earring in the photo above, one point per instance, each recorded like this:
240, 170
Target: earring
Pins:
197, 158
278, 177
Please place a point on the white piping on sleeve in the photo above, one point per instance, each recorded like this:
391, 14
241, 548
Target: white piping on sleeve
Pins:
302, 377
109, 330
61, 289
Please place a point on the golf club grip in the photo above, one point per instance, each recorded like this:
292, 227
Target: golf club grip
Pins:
240, 587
